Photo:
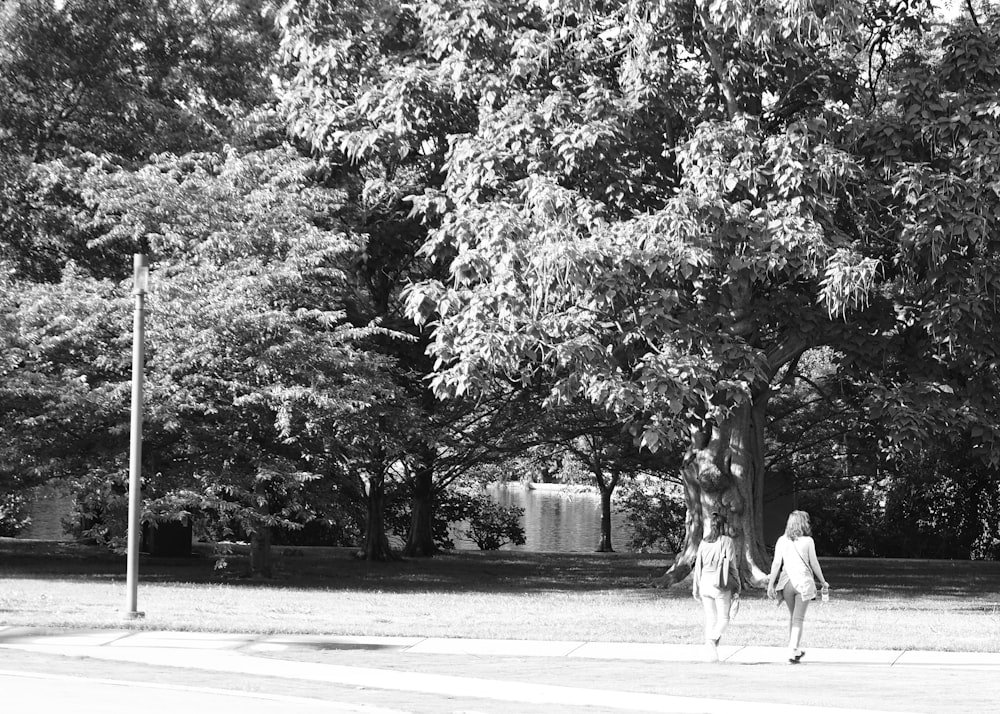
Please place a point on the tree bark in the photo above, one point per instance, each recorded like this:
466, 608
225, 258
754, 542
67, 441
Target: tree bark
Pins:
260, 538
724, 471
607, 489
420, 539
260, 552
376, 544
710, 43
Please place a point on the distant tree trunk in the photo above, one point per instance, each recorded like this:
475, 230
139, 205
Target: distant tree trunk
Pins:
420, 539
607, 489
260, 552
545, 474
376, 544
724, 471
260, 538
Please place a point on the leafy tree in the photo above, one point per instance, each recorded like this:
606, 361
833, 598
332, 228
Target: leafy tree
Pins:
127, 77
928, 149
64, 380
258, 384
933, 140
640, 269
382, 125
121, 79
661, 210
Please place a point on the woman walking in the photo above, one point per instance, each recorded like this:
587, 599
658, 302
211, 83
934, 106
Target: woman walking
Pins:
794, 571
716, 581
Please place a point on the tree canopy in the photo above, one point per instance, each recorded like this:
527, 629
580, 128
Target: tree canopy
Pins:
678, 297
392, 240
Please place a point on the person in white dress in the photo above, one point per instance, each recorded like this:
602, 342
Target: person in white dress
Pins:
794, 572
715, 581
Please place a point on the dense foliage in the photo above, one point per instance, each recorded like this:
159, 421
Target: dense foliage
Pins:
750, 247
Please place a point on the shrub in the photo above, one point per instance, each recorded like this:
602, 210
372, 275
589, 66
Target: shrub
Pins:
657, 519
100, 510
492, 526
13, 514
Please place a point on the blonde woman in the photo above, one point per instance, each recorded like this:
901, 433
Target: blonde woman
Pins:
715, 581
794, 572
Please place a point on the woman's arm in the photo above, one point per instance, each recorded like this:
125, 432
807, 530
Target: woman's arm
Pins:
696, 576
814, 562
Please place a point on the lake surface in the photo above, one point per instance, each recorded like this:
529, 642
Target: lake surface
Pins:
562, 519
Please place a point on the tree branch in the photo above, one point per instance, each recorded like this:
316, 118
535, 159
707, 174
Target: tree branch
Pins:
732, 109
972, 14
786, 351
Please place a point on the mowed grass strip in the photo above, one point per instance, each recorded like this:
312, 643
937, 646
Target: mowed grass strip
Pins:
586, 597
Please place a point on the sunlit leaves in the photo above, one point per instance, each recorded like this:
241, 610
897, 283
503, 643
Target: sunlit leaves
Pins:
619, 243
217, 207
64, 377
848, 281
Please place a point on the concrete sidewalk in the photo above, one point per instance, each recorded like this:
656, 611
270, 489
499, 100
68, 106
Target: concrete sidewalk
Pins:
131, 641
513, 675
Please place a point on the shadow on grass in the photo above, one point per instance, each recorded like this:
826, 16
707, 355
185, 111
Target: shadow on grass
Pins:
339, 569
482, 572
908, 579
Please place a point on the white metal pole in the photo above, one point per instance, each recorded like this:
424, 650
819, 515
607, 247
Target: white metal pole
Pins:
140, 279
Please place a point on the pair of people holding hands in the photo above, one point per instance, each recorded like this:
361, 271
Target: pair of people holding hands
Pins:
794, 572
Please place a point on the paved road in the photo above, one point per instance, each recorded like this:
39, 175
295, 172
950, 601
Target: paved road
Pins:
110, 671
35, 691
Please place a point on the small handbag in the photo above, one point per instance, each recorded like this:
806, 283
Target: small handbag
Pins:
721, 578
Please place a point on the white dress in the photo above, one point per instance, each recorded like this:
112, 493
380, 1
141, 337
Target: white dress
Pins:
795, 556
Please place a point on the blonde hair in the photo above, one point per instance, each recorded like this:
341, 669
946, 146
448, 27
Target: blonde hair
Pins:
798, 525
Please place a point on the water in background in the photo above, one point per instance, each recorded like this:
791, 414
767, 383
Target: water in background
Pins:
559, 519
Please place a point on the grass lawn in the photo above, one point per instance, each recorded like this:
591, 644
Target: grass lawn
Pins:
877, 604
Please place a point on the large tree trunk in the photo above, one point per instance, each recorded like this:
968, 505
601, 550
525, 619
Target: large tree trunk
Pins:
724, 471
376, 544
420, 539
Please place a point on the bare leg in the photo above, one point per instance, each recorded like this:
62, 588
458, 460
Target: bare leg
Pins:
788, 595
796, 618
